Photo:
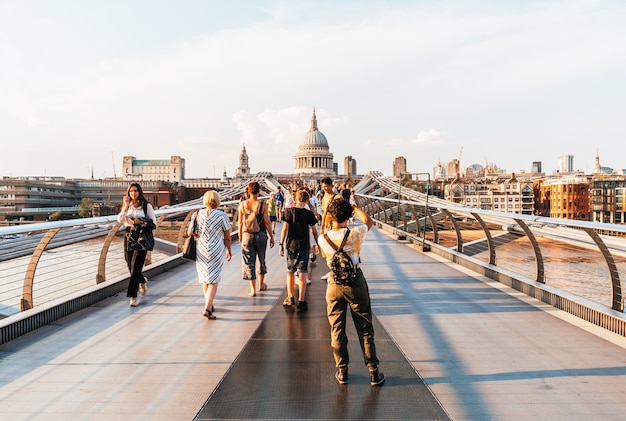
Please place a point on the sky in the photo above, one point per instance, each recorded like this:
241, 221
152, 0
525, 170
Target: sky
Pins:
84, 83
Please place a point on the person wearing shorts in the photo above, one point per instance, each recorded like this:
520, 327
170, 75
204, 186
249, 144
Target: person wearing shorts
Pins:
295, 234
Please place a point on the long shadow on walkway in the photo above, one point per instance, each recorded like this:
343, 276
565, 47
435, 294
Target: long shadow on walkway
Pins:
286, 371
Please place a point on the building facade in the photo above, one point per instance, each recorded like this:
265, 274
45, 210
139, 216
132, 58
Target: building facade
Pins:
507, 195
314, 156
36, 198
608, 199
399, 166
349, 166
566, 198
566, 163
243, 169
171, 170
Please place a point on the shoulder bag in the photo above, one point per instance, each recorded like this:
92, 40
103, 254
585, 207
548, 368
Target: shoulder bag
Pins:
189, 247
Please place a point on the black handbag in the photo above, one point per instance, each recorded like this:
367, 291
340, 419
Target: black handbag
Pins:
140, 236
189, 247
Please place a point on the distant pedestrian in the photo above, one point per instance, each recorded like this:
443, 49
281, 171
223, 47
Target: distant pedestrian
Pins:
295, 236
272, 211
329, 195
345, 192
254, 223
135, 207
212, 233
280, 201
353, 296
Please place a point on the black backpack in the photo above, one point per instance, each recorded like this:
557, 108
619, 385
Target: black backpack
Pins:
341, 266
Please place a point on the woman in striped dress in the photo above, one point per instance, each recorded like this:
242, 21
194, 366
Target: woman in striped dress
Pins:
212, 231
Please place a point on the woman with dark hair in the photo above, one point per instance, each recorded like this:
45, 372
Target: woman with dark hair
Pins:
253, 223
354, 296
135, 206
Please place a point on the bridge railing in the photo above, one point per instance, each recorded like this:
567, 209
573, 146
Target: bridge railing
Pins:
538, 255
43, 262
50, 270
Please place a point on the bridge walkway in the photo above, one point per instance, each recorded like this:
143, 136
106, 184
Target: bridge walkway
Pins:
452, 345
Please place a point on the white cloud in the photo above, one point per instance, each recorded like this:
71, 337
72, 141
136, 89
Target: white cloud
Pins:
430, 136
481, 74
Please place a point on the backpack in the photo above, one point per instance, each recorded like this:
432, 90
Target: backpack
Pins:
341, 265
250, 218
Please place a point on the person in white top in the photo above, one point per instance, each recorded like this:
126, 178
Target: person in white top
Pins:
135, 206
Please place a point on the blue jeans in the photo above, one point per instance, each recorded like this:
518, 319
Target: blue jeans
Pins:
253, 248
356, 297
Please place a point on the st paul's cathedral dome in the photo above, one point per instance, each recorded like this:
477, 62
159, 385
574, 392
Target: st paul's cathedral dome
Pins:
313, 156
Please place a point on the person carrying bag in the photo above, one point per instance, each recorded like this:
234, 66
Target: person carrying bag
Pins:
138, 217
253, 221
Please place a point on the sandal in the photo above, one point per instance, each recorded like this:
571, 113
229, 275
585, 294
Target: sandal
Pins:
209, 315
205, 310
263, 287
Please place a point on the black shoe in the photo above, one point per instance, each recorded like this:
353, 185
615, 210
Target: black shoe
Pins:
376, 377
313, 258
342, 375
302, 306
289, 301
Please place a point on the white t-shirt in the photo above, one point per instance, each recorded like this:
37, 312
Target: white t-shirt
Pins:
352, 246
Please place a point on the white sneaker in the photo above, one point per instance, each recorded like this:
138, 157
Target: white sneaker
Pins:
325, 277
308, 281
134, 302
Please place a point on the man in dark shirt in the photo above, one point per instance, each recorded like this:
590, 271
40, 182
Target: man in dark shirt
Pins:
295, 236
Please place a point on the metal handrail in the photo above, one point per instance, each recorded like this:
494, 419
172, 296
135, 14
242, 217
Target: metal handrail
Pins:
37, 240
30, 275
379, 196
390, 196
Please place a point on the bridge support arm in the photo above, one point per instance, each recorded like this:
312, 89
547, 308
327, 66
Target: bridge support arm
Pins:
492, 249
104, 251
618, 303
459, 239
541, 273
26, 302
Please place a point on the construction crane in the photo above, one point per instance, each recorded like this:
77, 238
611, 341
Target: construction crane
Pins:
113, 158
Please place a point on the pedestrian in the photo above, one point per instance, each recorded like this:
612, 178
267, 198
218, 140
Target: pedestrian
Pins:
354, 295
329, 195
211, 229
134, 207
272, 210
253, 223
280, 202
312, 206
345, 192
295, 236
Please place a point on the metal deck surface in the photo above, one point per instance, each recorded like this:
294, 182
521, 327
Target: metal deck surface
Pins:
286, 371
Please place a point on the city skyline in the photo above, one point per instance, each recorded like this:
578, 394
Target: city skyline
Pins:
508, 83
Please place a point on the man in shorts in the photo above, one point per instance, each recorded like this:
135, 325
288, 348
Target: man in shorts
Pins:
295, 235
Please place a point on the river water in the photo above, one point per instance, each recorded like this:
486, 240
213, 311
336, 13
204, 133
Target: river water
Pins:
579, 271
